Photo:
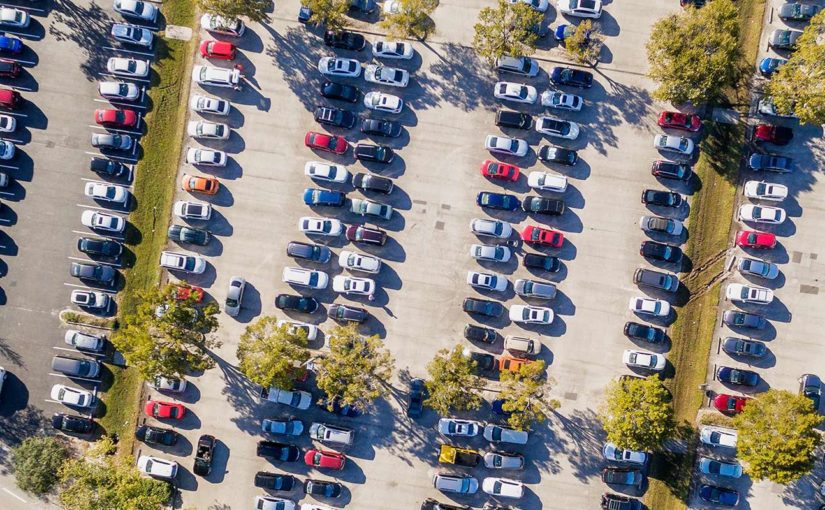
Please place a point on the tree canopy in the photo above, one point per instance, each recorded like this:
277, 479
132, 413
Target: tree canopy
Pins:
36, 461
255, 10
506, 29
522, 395
329, 13
412, 20
270, 355
637, 414
585, 44
452, 384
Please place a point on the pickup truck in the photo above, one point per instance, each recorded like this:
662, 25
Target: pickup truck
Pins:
450, 454
203, 455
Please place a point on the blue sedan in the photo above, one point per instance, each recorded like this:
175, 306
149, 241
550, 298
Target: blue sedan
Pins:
768, 65
737, 376
498, 201
571, 77
10, 45
721, 496
313, 196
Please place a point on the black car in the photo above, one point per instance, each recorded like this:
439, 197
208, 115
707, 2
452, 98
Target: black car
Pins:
431, 504
741, 347
543, 205
183, 234
376, 153
334, 406
72, 423
345, 40
543, 262
99, 247
339, 91
274, 482
415, 405
369, 182
571, 77
483, 307
9, 69
334, 117
644, 332
660, 251
381, 128
484, 362
97, 273
622, 476
619, 502
671, 170
108, 167
297, 303
551, 154
322, 488
479, 334
737, 319
203, 455
278, 451
737, 376
347, 313
518, 120
811, 387
364, 6
501, 201
661, 198
156, 435
306, 251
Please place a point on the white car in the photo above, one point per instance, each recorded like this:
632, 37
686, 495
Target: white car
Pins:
364, 207
216, 76
506, 145
581, 8
496, 434
502, 487
161, 383
107, 192
205, 104
91, 299
326, 172
749, 294
458, 428
561, 101
760, 268
130, 34
305, 277
392, 49
717, 467
137, 9
547, 182
182, 262
7, 124
84, 341
643, 359
455, 484
290, 427
487, 281
515, 92
118, 90
491, 228
359, 262
129, 67
391, 7
192, 210
529, 314
320, 226
227, 26
103, 221
558, 128
613, 453
157, 467
294, 326
384, 75
354, 285
341, 67
7, 149
647, 306
502, 460
761, 214
11, 17
205, 157
382, 102
539, 5
490, 253
671, 143
69, 396
717, 436
273, 503
292, 398
761, 190
206, 129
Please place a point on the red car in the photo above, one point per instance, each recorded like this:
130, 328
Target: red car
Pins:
325, 142
218, 49
9, 68
164, 410
729, 404
324, 459
538, 235
116, 118
683, 121
777, 135
496, 170
182, 292
754, 239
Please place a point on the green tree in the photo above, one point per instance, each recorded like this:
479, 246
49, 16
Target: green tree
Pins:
329, 13
522, 395
694, 54
798, 86
270, 355
778, 436
167, 337
506, 29
255, 10
585, 44
36, 461
357, 369
412, 20
452, 384
637, 414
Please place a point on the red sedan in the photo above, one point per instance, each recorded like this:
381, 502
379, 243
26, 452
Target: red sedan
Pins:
777, 135
496, 170
538, 235
325, 142
116, 118
218, 49
729, 404
324, 459
164, 410
678, 120
754, 239
182, 292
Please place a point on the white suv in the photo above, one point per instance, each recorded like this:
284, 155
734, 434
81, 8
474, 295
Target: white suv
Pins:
305, 277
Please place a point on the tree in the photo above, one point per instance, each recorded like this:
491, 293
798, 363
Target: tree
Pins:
506, 29
778, 436
255, 10
330, 13
637, 413
522, 394
452, 383
798, 86
36, 461
168, 337
357, 369
412, 19
585, 44
694, 55
270, 355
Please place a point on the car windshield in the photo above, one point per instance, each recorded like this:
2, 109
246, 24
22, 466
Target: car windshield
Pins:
522, 92
189, 263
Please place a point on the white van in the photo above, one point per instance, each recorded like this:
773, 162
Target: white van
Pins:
524, 66
331, 434
520, 344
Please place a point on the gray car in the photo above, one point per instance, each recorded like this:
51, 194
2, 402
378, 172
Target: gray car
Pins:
741, 347
307, 251
534, 289
346, 313
234, 296
97, 273
783, 39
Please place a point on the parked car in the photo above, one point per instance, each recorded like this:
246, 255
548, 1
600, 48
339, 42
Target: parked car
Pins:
581, 8
100, 274
671, 170
783, 39
392, 49
233, 27
220, 50
91, 299
498, 170
770, 162
501, 201
209, 131
369, 182
127, 67
623, 476
717, 436
543, 205
301, 304
480, 334
661, 198
613, 453
483, 307
323, 197
720, 496
156, 435
385, 75
84, 341
521, 345
292, 398
182, 262
118, 118
749, 294
663, 225
274, 482
340, 92
571, 77
557, 128
506, 145
811, 386
729, 404
374, 153
72, 424
487, 281
769, 65
324, 459
200, 184
365, 234
377, 127
103, 221
722, 468
273, 450
736, 318
644, 332
529, 314
382, 102
157, 467
164, 410
545, 181
284, 427
660, 251
338, 66
515, 92
647, 306
736, 376
322, 488
761, 190
320, 226
552, 154
455, 484
503, 487
644, 360
105, 141
491, 228
542, 262
347, 313
123, 32
354, 285
656, 280
301, 277
503, 460
619, 502
559, 100
72, 397
777, 135
682, 121
533, 289
542, 236
335, 117
366, 207
760, 268
325, 142
345, 40
184, 234
486, 253
497, 434
458, 428
326, 172
204, 104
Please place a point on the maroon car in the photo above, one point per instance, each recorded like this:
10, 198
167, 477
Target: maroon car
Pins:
9, 68
365, 234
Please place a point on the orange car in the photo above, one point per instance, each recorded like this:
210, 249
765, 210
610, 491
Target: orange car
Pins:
511, 363
206, 185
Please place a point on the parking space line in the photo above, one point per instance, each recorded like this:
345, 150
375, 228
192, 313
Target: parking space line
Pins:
7, 193
84, 206
89, 288
10, 167
80, 259
22, 89
110, 75
130, 51
16, 114
25, 62
30, 9
125, 105
93, 381
133, 133
23, 35
93, 354
115, 158
52, 401
13, 494
18, 142
97, 181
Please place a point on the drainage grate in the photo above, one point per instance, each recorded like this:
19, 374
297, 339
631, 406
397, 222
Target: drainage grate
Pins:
808, 289
571, 395
813, 256
796, 257
439, 225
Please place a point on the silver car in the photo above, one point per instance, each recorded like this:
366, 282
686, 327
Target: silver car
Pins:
534, 289
234, 297
502, 460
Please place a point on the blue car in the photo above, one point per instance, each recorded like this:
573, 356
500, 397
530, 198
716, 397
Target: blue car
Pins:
498, 201
571, 77
721, 496
10, 45
417, 393
365, 6
737, 376
314, 196
768, 65
498, 408
565, 31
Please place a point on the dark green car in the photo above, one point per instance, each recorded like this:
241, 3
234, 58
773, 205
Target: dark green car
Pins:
183, 234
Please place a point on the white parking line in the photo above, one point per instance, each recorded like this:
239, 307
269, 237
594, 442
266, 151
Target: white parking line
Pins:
23, 62
110, 75
22, 89
13, 494
89, 288
124, 105
96, 181
79, 259
16, 114
23, 35
52, 401
93, 381
30, 9
89, 233
7, 193
18, 142
133, 133
84, 206
130, 51
9, 167
112, 157
87, 353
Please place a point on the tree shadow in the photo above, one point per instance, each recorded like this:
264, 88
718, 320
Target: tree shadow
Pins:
459, 78
88, 27
15, 428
